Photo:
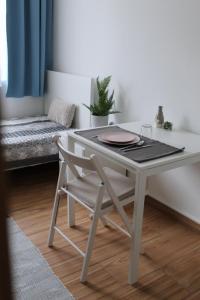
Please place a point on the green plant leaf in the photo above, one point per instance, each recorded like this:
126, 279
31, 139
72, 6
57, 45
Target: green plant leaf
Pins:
111, 96
88, 107
98, 84
114, 112
105, 82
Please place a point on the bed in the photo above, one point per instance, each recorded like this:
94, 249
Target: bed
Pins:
28, 141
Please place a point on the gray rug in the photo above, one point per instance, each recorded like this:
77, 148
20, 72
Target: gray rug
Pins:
32, 277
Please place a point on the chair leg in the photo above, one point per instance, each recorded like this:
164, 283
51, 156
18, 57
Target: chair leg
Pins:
61, 179
53, 219
90, 245
71, 211
92, 233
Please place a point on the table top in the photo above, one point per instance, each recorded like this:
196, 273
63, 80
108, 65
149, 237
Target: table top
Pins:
190, 141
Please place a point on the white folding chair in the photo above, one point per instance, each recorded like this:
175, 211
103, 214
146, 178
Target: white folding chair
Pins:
99, 190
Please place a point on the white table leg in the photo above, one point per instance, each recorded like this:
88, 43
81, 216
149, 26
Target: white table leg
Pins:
137, 227
70, 204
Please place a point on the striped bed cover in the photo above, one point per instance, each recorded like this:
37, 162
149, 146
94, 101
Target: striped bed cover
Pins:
28, 141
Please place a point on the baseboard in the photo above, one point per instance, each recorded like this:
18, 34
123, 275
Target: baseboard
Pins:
176, 215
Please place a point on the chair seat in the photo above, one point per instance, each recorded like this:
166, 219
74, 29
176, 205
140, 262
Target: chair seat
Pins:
85, 188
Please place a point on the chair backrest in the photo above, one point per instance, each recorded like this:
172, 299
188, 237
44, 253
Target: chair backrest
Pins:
73, 160
91, 164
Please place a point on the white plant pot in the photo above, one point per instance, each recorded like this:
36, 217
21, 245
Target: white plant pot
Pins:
98, 121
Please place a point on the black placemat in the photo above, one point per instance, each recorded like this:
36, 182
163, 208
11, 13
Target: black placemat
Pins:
157, 149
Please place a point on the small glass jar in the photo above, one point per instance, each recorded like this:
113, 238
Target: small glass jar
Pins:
146, 130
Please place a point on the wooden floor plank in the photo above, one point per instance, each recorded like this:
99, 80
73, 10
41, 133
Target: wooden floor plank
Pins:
169, 268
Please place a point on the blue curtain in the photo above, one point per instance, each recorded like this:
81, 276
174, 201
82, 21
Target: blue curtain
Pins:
29, 39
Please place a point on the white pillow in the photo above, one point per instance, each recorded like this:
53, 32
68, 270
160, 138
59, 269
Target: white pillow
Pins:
61, 112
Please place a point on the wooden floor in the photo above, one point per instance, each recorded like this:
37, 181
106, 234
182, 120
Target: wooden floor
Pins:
169, 268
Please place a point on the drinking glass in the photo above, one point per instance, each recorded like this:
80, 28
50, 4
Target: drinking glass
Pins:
146, 130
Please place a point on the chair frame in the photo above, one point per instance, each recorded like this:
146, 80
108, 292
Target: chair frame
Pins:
71, 160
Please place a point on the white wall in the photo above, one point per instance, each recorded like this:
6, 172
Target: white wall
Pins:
152, 49
25, 107
21, 107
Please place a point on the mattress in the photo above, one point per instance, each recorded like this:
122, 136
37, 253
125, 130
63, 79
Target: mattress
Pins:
28, 141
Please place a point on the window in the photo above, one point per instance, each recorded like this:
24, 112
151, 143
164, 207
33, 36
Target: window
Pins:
3, 43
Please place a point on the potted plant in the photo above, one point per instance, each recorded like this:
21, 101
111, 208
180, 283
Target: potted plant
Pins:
101, 109
168, 125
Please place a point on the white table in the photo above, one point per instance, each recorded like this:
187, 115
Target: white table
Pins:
142, 171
